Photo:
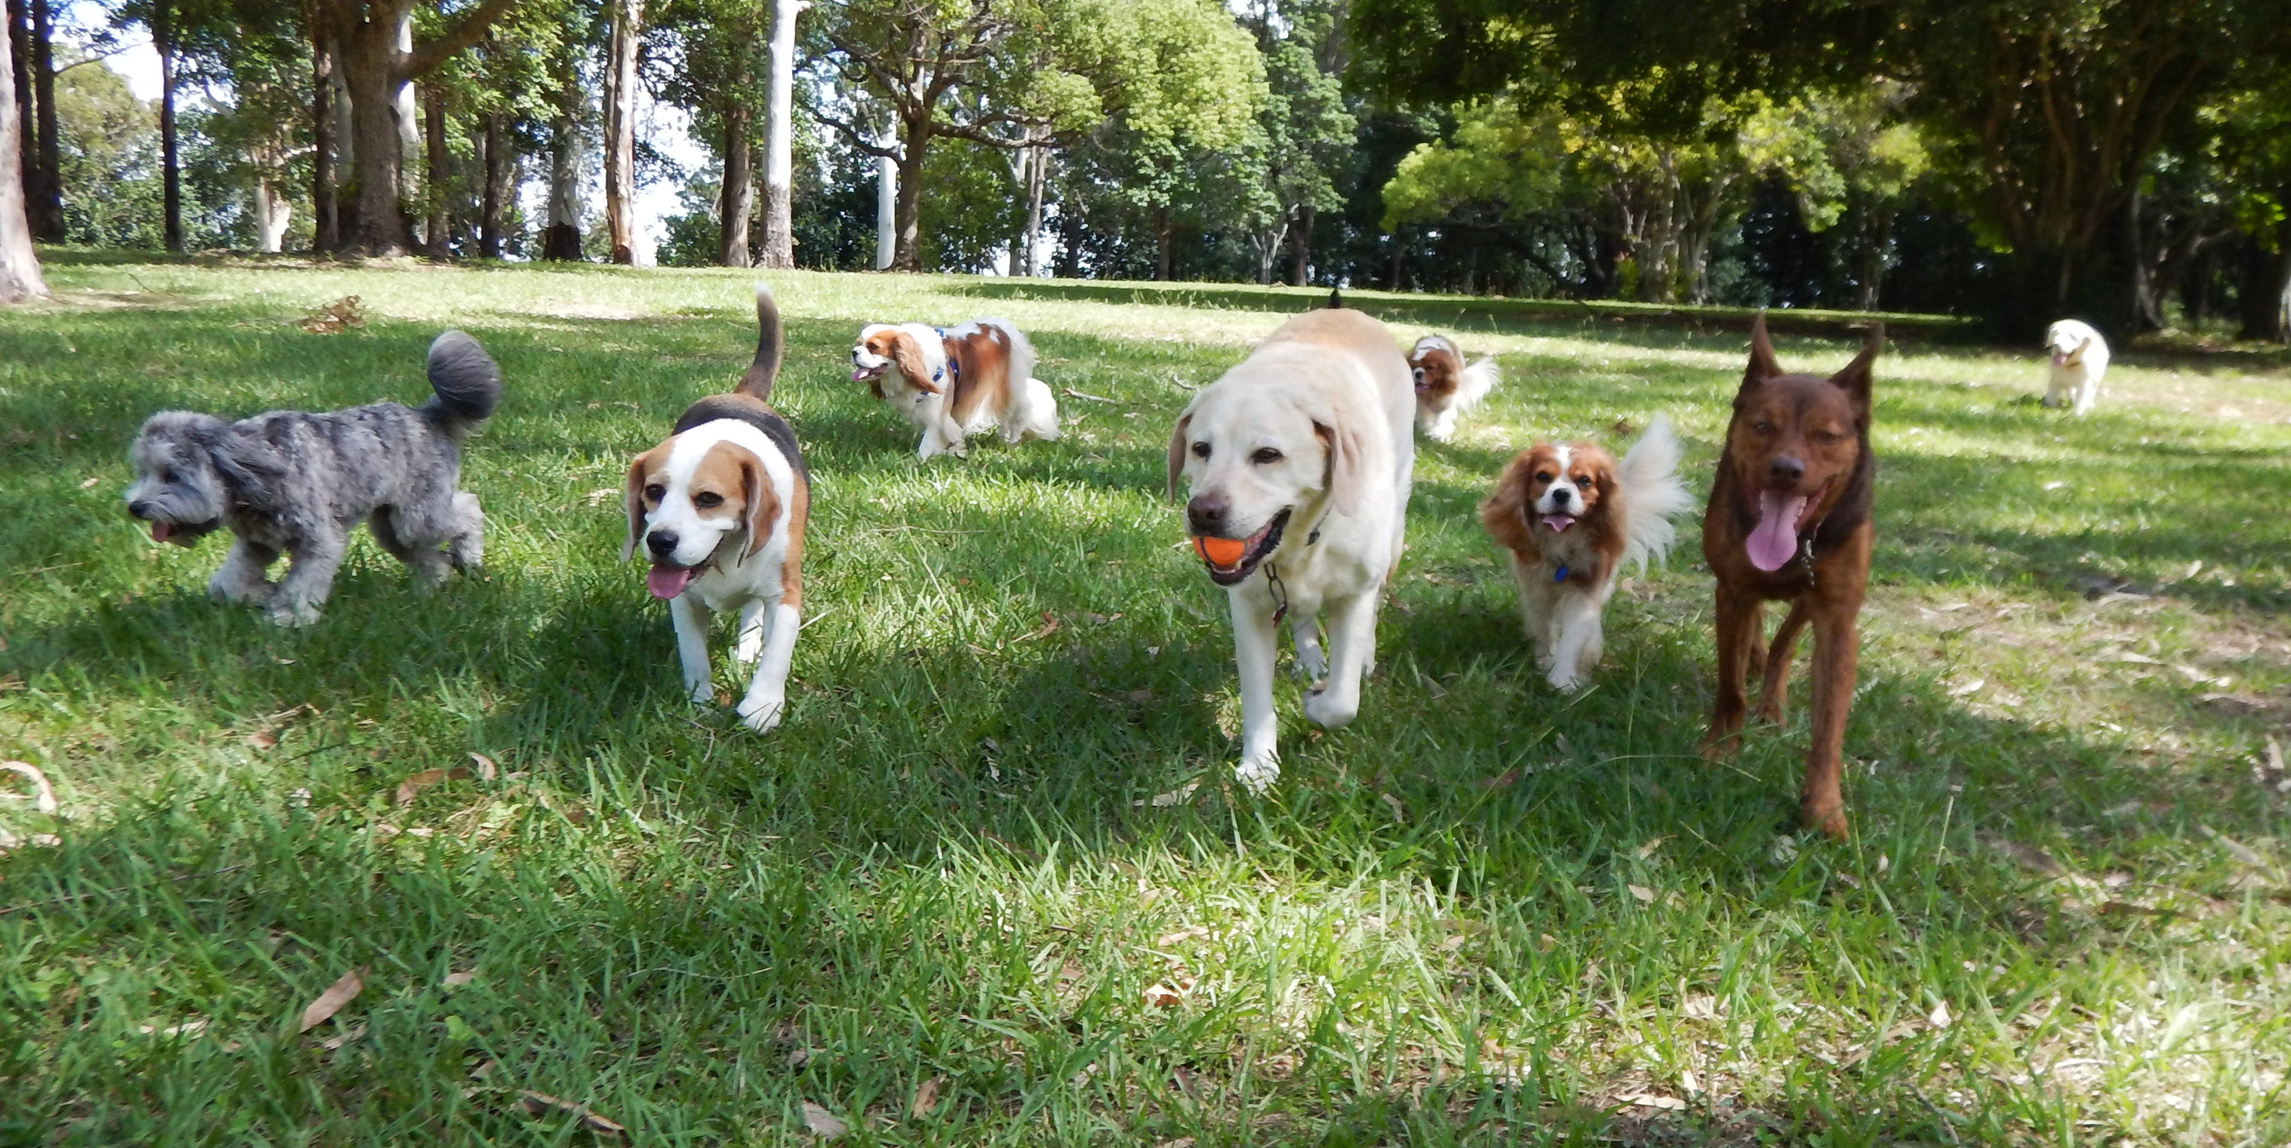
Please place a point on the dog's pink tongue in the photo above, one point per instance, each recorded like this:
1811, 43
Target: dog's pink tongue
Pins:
1775, 542
160, 531
1559, 522
858, 374
666, 581
2059, 357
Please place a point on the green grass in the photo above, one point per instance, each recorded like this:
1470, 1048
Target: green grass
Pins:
1482, 914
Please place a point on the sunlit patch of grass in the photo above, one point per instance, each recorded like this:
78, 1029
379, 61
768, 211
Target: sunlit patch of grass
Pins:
994, 846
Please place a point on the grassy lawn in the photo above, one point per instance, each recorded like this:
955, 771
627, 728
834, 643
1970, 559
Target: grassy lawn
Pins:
969, 892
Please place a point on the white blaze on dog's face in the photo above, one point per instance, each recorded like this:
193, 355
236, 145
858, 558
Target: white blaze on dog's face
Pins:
687, 498
1254, 462
2067, 341
1565, 483
882, 346
177, 488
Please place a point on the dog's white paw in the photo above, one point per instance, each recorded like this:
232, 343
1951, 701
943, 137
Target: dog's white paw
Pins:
1310, 664
762, 714
1565, 681
1257, 774
292, 615
1328, 711
702, 692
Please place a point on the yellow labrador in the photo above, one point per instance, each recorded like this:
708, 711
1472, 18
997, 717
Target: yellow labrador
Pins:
1298, 463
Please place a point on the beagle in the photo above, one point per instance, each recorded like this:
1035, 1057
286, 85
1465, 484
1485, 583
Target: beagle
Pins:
720, 509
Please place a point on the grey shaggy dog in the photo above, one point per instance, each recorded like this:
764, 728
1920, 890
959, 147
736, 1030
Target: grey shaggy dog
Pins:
296, 482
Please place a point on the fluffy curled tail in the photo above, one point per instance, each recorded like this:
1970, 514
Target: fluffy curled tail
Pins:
1475, 383
1652, 493
466, 381
757, 381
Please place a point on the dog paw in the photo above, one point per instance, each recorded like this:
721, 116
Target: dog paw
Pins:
1328, 711
1257, 774
1828, 819
1565, 681
292, 616
762, 714
702, 693
1310, 666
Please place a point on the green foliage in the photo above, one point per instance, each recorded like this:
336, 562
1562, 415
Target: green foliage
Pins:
109, 151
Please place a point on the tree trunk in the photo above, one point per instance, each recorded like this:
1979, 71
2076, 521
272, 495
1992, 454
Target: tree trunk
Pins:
345, 154
380, 226
1162, 229
908, 254
170, 147
19, 264
407, 115
561, 238
1397, 248
1301, 269
2264, 297
326, 230
738, 201
43, 174
620, 128
779, 141
273, 210
1037, 176
886, 208
500, 163
437, 195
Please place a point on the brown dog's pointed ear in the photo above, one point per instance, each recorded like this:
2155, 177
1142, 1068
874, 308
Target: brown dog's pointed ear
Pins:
635, 499
762, 501
1342, 478
1177, 453
907, 355
1762, 363
1855, 378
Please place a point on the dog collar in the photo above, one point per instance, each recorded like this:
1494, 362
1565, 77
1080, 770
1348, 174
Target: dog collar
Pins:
1559, 575
952, 366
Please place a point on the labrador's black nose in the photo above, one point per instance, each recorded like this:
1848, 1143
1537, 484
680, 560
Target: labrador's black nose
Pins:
1207, 513
661, 543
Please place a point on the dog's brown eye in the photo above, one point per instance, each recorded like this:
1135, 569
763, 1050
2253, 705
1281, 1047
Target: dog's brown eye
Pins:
655, 492
707, 500
1265, 456
1543, 476
1201, 450
1762, 427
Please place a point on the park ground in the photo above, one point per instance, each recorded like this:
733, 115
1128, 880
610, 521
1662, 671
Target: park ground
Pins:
990, 883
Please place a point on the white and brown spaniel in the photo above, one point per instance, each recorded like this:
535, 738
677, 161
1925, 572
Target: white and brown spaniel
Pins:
956, 382
1445, 387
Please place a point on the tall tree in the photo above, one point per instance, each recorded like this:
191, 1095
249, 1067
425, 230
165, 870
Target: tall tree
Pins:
713, 60
375, 66
567, 104
779, 140
19, 263
627, 24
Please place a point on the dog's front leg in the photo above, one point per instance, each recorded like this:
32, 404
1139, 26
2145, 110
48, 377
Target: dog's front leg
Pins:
691, 618
1253, 638
753, 623
1837, 650
242, 578
309, 577
1575, 619
1352, 645
1738, 622
767, 692
1305, 632
2086, 396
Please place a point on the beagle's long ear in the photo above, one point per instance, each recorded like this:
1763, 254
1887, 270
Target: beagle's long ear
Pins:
907, 355
1762, 363
1854, 380
634, 497
1343, 475
1177, 453
763, 504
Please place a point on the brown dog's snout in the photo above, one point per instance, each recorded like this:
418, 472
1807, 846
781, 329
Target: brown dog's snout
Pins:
1206, 513
1783, 468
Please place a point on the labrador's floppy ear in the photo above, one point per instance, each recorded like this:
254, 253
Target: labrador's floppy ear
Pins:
763, 504
907, 354
1177, 452
1762, 363
634, 497
1854, 380
1344, 474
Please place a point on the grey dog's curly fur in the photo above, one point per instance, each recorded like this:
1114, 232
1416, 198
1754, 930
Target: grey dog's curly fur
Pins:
298, 482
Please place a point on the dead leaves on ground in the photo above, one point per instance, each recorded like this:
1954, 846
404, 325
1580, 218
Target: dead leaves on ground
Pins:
481, 767
542, 1104
334, 318
339, 993
43, 794
926, 1097
822, 1122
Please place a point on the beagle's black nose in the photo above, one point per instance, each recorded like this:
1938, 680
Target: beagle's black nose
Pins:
661, 543
1207, 513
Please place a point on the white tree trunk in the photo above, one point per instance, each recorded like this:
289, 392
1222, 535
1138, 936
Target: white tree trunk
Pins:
886, 205
779, 141
620, 129
272, 211
409, 117
19, 264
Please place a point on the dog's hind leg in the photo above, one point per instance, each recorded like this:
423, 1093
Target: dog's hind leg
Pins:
691, 619
309, 577
242, 578
1777, 662
1738, 617
466, 549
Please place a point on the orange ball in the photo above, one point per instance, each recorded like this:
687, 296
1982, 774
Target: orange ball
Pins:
1222, 551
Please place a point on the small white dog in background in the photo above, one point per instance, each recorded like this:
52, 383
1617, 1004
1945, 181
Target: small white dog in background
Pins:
2079, 359
1445, 387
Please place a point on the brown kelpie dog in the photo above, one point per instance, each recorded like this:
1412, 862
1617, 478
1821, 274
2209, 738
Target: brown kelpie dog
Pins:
1789, 519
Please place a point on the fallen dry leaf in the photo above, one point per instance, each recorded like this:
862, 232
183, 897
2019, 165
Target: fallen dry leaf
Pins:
2028, 857
332, 1000
415, 783
1643, 893
1499, 781
822, 1122
1399, 812
340, 315
455, 980
346, 1036
187, 1028
2235, 849
43, 794
541, 1104
926, 1097
263, 739
1700, 1008
1648, 850
1939, 1017
1654, 1100
486, 770
1178, 796
1162, 994
1179, 937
